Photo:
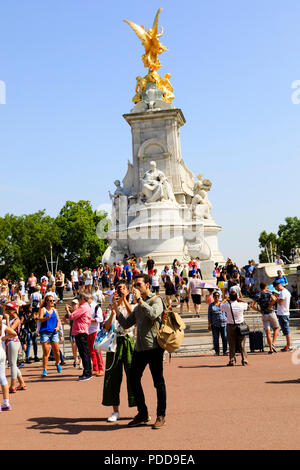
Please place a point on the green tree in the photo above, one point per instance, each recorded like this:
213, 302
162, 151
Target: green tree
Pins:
287, 238
268, 243
289, 235
78, 226
25, 241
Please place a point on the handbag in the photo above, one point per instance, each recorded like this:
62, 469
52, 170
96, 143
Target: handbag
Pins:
242, 328
106, 340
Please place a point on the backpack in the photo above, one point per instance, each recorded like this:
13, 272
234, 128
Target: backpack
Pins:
35, 302
171, 332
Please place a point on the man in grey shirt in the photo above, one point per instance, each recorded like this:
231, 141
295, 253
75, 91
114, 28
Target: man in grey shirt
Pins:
147, 351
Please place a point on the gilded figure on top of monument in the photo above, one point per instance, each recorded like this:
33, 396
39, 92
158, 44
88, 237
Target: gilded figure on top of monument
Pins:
153, 47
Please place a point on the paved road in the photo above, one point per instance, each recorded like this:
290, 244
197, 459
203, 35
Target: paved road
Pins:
210, 406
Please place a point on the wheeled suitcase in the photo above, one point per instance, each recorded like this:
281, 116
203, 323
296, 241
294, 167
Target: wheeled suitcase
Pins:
256, 341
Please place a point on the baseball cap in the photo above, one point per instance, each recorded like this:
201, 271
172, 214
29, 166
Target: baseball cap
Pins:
12, 305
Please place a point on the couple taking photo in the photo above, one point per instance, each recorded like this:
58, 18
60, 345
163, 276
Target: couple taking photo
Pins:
135, 355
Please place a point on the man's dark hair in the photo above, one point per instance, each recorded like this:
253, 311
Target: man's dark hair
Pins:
263, 285
144, 276
232, 295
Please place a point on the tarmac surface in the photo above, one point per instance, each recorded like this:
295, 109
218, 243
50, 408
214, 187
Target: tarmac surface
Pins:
209, 406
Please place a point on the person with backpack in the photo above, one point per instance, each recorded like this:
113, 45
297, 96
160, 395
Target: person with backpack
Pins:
96, 320
266, 301
281, 279
30, 319
149, 309
35, 299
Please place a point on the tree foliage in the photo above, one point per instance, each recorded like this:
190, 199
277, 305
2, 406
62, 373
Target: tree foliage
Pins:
286, 239
25, 240
78, 226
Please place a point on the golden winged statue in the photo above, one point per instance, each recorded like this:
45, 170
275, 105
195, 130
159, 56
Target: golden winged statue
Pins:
150, 41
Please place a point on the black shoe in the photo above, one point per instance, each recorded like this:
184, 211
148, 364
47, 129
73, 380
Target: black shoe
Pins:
225, 353
138, 420
36, 359
28, 361
82, 378
230, 364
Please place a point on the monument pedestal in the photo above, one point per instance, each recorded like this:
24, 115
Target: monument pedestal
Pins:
167, 213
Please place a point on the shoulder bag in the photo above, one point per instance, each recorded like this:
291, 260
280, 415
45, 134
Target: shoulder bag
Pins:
241, 328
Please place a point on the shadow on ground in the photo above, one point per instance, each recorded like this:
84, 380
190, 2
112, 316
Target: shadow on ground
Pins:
73, 426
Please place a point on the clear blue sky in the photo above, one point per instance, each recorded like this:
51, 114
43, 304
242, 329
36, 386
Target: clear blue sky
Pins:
70, 66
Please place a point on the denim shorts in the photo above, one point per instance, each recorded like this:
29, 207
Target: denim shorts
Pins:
284, 323
49, 337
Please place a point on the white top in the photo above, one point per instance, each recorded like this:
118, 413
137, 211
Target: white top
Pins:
51, 293
284, 308
183, 292
195, 286
98, 316
2, 334
238, 309
74, 275
36, 296
98, 296
155, 280
22, 286
111, 295
118, 328
140, 265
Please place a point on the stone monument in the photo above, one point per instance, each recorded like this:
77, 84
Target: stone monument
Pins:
160, 209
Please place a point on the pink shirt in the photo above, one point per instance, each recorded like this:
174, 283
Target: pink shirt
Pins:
32, 281
81, 318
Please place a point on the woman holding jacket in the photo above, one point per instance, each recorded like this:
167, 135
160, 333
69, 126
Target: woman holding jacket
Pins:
122, 357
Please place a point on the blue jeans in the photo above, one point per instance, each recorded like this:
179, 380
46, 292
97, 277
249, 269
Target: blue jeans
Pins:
31, 337
216, 332
284, 322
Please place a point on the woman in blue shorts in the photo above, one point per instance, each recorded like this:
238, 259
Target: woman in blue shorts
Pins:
49, 336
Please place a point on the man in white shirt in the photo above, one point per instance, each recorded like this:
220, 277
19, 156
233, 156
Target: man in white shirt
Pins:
235, 316
278, 260
140, 265
283, 313
194, 290
75, 281
96, 319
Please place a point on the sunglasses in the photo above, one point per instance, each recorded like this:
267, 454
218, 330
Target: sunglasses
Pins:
138, 284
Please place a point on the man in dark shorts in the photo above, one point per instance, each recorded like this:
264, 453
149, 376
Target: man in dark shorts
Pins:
194, 290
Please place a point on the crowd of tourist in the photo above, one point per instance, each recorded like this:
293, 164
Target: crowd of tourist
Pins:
132, 286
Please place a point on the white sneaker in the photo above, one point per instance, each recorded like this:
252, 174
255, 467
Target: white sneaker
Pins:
113, 417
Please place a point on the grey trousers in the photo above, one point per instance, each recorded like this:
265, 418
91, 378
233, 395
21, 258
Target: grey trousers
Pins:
12, 356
